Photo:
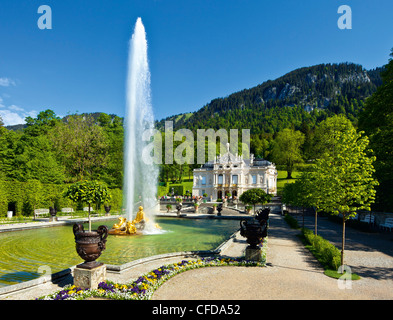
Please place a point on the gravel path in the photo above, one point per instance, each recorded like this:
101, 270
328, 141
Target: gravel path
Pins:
291, 273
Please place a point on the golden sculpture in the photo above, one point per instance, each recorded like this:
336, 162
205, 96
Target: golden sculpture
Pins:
130, 228
121, 224
140, 216
124, 227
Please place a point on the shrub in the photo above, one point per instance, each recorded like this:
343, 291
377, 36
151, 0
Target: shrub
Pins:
292, 222
325, 252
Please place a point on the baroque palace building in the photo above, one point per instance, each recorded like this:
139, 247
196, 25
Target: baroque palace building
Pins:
231, 174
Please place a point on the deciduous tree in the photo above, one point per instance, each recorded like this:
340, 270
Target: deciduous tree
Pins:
345, 173
81, 147
377, 121
287, 149
255, 196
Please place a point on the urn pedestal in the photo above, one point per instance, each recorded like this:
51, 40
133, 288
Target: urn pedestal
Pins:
253, 254
89, 278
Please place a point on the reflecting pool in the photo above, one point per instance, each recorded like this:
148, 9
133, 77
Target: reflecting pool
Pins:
25, 254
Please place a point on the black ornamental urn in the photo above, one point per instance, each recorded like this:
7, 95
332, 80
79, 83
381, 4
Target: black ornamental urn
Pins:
253, 231
107, 209
263, 217
52, 213
179, 206
219, 209
90, 244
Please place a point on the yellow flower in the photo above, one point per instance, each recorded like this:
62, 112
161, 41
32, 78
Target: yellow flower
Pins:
71, 292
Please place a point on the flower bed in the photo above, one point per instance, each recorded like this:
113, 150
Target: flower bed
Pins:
144, 286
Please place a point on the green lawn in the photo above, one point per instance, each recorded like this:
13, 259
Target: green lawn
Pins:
282, 179
186, 183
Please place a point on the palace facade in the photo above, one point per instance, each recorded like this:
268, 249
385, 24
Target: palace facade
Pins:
231, 174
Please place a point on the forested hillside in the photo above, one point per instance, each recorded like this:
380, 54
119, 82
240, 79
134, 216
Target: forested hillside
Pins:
306, 95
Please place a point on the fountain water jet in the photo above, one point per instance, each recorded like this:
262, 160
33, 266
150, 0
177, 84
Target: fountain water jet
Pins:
140, 175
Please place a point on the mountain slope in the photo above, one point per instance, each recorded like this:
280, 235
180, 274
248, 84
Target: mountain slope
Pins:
306, 94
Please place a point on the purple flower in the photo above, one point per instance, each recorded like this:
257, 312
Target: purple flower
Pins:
106, 286
62, 295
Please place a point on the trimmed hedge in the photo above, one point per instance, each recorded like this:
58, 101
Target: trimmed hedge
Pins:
292, 222
326, 252
32, 194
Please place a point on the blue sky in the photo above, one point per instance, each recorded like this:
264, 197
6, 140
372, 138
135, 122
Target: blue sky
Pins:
198, 50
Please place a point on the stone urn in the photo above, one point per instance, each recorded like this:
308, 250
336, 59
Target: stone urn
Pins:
179, 206
89, 245
253, 231
52, 212
219, 209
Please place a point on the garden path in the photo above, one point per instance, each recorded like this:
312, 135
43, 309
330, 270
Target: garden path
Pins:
291, 273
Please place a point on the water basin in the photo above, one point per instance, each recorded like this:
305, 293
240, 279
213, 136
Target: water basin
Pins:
25, 255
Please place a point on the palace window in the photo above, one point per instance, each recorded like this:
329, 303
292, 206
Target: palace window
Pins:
203, 180
220, 179
254, 179
234, 179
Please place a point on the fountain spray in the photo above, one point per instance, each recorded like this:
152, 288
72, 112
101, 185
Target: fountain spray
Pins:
140, 176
